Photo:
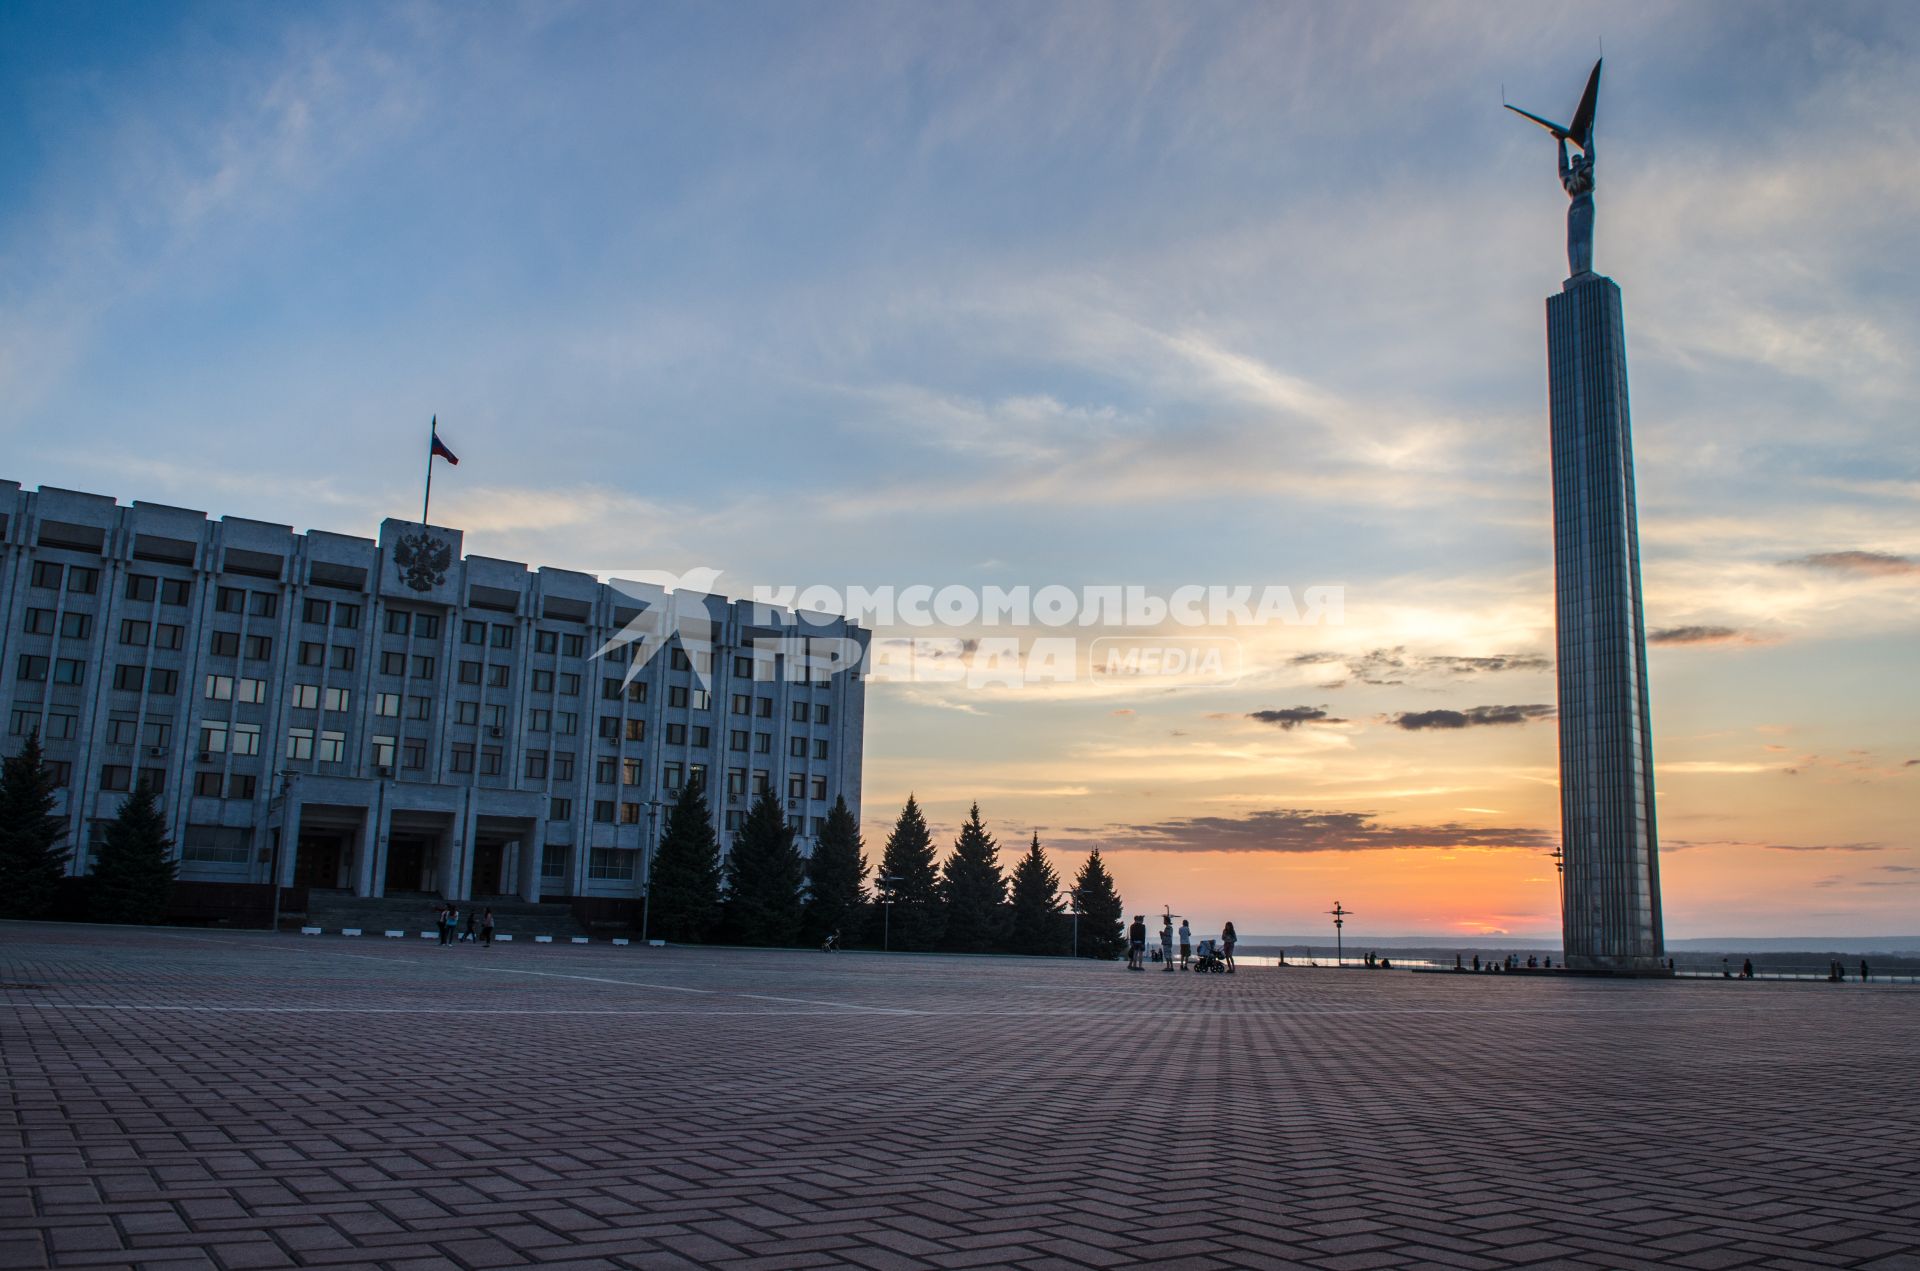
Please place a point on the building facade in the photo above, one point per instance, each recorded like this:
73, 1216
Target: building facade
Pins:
1610, 903
392, 717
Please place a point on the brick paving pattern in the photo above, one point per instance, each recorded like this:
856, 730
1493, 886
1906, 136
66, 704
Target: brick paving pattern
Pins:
178, 1099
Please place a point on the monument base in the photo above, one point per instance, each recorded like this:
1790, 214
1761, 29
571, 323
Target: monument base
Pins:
1639, 967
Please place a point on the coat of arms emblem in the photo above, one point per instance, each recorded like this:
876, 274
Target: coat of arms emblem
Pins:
422, 560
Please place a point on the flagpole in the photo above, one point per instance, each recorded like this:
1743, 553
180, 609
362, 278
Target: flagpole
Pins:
433, 431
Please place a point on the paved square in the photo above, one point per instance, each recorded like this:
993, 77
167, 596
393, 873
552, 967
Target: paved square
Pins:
181, 1099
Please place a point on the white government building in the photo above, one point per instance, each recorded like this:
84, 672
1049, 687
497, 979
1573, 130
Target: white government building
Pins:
394, 718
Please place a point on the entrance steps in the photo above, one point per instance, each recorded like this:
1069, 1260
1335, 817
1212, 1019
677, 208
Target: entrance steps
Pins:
335, 911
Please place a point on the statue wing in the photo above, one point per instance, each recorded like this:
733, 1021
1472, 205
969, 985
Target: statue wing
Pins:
1580, 131
1557, 130
403, 552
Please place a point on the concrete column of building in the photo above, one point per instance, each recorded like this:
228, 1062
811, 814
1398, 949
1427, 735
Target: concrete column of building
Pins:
289, 835
370, 862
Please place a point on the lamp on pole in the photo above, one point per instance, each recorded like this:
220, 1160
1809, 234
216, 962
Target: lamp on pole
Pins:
1073, 910
646, 867
885, 883
1339, 920
279, 840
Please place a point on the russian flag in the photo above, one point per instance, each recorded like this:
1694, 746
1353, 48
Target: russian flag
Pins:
440, 447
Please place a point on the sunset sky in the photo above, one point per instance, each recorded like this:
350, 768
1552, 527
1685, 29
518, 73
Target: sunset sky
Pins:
1087, 295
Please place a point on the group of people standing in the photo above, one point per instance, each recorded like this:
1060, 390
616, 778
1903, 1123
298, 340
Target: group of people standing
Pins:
1137, 944
479, 925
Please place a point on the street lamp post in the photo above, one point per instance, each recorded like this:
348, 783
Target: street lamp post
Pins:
1339, 920
1073, 909
646, 869
886, 882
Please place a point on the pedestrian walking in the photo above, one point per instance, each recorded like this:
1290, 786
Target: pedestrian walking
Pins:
1864, 972
1166, 942
1228, 939
444, 924
1186, 943
1137, 944
486, 929
453, 923
473, 928
1746, 968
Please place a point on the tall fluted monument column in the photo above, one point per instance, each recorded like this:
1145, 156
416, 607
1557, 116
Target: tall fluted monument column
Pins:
1610, 885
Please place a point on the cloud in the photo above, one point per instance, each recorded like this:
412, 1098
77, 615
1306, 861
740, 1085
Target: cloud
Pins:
1394, 666
1292, 717
1697, 635
1857, 562
1303, 830
1684, 845
1472, 717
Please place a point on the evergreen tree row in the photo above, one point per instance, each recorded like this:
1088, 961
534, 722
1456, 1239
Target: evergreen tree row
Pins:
766, 893
131, 878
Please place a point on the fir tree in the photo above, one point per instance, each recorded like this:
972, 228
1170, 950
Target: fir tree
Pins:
32, 862
975, 889
764, 874
1102, 931
686, 871
836, 877
133, 877
1036, 920
907, 876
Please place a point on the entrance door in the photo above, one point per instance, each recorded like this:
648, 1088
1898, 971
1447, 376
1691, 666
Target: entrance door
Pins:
317, 861
487, 859
406, 862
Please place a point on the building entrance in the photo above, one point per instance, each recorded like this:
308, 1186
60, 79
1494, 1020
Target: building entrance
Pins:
317, 859
409, 858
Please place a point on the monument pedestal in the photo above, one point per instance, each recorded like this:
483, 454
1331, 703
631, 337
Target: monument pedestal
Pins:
1610, 885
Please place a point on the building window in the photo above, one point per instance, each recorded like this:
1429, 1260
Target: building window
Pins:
763, 743
175, 591
207, 786
426, 626
386, 705
557, 810
763, 707
312, 654
762, 783
610, 689
167, 636
32, 668
737, 740
383, 751
546, 641
606, 770
742, 667
542, 681
466, 712
677, 695
469, 673
398, 621
820, 788
259, 648
629, 814
76, 626
563, 765
636, 730
797, 747
413, 754
213, 737
135, 631
573, 646
473, 632
422, 667
127, 677
553, 857
224, 644
670, 776
610, 863
702, 736
676, 734
568, 724
819, 747
248, 689
736, 782
346, 617
142, 586
246, 739
306, 697
392, 663
317, 611
799, 712
502, 636
497, 676
603, 811
539, 721
73, 670
678, 660
536, 765
263, 604
230, 600
82, 580
343, 657
419, 708
735, 818
339, 699
462, 758
637, 691
630, 771
47, 574
569, 684
820, 713
241, 785
496, 718
215, 844
39, 622
299, 743
333, 747
490, 761
742, 704
796, 786
116, 777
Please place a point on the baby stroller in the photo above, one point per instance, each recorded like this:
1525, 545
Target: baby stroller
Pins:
1207, 958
